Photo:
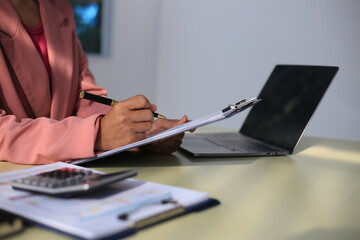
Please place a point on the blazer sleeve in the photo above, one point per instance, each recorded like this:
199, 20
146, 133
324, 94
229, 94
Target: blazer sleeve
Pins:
43, 140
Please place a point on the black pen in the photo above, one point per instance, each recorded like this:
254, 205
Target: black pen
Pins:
107, 101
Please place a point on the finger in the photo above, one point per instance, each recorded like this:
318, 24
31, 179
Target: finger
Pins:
183, 120
137, 102
187, 120
170, 123
177, 137
153, 107
165, 147
192, 130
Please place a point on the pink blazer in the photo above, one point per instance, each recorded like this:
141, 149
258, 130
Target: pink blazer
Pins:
43, 121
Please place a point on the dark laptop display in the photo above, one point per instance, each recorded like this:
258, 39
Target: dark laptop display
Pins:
275, 125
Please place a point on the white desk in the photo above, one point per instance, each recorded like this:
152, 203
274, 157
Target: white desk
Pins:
312, 194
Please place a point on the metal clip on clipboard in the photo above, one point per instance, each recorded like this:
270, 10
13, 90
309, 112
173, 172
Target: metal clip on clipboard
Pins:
177, 209
161, 216
239, 106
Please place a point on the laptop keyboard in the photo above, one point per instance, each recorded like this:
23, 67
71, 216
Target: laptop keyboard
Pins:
237, 142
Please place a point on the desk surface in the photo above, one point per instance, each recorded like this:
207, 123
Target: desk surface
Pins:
312, 194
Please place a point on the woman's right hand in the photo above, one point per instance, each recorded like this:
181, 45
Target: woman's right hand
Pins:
126, 122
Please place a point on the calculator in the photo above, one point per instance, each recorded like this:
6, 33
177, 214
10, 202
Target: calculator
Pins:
68, 182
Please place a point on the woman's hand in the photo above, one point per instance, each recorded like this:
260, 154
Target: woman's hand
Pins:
127, 121
167, 145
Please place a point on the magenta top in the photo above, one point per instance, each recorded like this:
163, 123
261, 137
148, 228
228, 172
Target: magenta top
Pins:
37, 35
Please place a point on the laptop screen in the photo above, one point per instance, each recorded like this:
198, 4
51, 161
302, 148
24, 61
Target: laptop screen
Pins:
289, 99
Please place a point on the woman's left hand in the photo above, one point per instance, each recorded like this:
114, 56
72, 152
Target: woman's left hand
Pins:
167, 145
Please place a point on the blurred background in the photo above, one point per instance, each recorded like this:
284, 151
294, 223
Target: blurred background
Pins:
194, 57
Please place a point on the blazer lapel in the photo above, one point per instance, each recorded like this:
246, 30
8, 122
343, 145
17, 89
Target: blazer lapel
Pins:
26, 63
8, 19
59, 37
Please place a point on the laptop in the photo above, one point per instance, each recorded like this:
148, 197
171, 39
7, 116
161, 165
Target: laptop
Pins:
275, 125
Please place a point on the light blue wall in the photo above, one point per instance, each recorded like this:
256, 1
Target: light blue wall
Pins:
195, 56
131, 64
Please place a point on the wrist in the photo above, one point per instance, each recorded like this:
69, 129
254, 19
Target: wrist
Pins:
98, 144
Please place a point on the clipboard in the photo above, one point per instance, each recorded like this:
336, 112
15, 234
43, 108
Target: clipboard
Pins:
125, 208
225, 113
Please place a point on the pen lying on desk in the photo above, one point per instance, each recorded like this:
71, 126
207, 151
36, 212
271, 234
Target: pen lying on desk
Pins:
107, 101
